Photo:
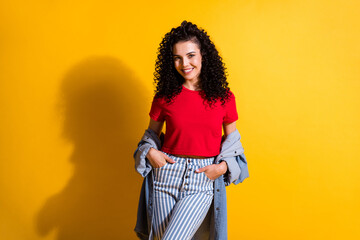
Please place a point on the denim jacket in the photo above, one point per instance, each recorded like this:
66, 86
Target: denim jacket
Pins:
214, 226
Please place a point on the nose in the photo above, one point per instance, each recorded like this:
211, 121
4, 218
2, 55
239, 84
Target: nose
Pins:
185, 62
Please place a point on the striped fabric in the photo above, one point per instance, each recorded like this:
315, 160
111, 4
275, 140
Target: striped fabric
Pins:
182, 198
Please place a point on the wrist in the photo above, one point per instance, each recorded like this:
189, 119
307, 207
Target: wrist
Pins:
223, 167
151, 149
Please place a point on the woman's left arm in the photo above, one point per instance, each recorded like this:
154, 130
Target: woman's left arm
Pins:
216, 170
229, 128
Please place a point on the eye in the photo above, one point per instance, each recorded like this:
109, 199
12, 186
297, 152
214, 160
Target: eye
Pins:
176, 58
191, 55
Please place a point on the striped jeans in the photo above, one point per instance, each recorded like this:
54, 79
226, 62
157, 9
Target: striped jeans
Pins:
182, 197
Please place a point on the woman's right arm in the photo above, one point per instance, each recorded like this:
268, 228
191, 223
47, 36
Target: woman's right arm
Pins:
157, 158
156, 126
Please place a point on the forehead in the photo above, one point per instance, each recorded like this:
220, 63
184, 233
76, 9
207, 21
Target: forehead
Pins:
184, 47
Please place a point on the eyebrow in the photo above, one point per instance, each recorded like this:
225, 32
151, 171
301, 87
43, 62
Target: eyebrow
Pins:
186, 54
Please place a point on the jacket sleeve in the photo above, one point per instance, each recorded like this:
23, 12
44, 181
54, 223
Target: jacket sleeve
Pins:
241, 160
232, 152
142, 164
149, 140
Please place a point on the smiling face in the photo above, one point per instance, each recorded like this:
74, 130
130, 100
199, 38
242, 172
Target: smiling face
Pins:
187, 60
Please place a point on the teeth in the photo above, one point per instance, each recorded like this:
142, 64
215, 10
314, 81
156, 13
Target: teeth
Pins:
188, 70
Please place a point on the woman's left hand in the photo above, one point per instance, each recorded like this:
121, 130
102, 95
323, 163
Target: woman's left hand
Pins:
213, 171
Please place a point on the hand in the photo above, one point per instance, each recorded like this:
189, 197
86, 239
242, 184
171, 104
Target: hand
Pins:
213, 171
157, 158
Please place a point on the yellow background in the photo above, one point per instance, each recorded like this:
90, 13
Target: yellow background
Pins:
76, 87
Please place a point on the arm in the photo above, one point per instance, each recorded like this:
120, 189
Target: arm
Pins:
216, 170
232, 167
150, 140
156, 126
228, 128
157, 158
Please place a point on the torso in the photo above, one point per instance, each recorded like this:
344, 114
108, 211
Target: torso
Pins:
193, 128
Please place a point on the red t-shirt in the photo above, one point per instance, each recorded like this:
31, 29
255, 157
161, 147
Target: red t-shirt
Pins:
192, 127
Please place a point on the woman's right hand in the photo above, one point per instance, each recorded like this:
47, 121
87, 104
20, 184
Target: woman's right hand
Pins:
157, 158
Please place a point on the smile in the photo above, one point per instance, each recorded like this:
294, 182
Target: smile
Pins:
186, 71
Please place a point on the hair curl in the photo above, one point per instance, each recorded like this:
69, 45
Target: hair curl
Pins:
168, 81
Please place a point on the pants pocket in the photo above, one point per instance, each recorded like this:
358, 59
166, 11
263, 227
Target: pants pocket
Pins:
161, 166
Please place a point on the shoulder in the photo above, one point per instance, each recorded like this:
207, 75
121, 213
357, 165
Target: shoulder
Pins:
164, 100
231, 93
227, 99
158, 99
230, 96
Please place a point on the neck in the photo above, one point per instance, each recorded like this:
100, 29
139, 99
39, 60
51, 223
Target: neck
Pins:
192, 85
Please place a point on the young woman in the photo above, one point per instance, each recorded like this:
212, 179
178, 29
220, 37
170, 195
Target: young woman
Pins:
194, 101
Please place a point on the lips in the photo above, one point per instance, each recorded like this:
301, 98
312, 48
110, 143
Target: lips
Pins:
188, 70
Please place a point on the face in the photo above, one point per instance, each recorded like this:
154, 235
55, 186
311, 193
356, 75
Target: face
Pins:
187, 60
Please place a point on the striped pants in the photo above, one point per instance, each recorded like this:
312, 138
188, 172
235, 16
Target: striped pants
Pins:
182, 198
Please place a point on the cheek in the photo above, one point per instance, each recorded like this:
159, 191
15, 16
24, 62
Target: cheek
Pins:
177, 67
198, 62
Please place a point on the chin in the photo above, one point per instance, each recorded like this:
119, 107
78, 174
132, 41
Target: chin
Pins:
189, 77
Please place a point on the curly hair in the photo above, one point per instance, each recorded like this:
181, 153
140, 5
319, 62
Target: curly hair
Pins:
168, 81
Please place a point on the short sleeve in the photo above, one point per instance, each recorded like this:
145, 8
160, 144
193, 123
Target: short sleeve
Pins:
157, 111
231, 114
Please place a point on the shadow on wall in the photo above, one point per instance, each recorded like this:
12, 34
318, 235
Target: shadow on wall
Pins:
104, 120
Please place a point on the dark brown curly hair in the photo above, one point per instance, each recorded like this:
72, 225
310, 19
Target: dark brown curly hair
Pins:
168, 81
